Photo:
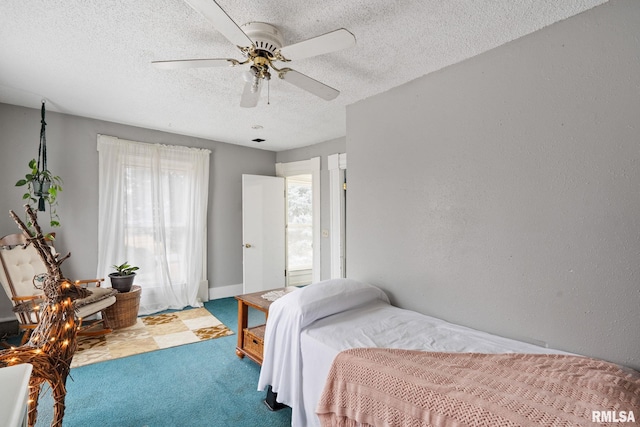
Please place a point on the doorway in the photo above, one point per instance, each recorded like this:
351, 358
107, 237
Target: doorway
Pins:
299, 229
302, 229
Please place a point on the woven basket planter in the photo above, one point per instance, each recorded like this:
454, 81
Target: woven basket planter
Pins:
124, 312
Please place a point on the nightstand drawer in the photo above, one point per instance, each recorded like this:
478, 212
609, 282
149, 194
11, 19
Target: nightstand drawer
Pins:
254, 341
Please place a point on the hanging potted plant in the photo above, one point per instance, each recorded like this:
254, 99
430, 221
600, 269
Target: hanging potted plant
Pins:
123, 276
42, 185
42, 188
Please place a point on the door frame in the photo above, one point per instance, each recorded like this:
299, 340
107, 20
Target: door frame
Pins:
312, 167
335, 163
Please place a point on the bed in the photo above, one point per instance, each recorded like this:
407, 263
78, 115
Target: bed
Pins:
310, 329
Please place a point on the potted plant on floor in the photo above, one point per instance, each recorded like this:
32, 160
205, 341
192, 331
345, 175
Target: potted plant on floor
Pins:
123, 276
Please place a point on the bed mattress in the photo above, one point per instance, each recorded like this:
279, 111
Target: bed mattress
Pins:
307, 328
384, 326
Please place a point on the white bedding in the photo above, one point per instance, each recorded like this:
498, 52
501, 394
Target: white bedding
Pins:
302, 339
289, 315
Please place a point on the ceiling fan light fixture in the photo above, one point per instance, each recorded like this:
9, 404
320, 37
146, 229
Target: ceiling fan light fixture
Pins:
249, 74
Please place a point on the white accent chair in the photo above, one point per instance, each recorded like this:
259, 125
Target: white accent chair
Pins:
20, 267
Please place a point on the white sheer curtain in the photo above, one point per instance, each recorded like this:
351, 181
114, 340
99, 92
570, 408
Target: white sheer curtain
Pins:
153, 214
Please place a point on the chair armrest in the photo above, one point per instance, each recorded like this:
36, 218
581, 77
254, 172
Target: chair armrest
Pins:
25, 306
27, 298
86, 282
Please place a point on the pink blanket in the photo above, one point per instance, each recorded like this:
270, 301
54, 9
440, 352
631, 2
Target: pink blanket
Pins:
391, 387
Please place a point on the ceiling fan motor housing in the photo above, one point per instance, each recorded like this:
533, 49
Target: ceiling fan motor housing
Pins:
265, 36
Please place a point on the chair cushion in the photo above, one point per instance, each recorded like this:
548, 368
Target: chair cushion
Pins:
22, 265
88, 310
97, 294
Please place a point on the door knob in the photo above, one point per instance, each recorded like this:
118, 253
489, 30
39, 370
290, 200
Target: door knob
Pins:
247, 245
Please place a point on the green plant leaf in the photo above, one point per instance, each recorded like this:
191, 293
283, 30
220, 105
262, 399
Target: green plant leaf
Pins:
124, 269
36, 178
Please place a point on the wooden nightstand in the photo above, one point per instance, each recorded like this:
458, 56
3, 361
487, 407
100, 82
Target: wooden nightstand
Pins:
251, 340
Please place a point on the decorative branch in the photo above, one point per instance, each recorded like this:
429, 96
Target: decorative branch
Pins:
53, 342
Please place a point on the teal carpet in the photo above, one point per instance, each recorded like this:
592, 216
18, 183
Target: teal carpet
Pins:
201, 384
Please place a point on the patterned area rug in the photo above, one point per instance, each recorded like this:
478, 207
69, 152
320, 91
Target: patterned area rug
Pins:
150, 333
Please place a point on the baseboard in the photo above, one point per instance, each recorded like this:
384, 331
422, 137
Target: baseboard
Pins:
225, 291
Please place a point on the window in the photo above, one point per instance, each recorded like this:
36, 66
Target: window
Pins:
153, 201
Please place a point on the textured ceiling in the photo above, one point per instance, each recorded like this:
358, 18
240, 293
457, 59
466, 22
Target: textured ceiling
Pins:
92, 58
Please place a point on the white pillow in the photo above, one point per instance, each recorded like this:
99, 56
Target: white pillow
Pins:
329, 297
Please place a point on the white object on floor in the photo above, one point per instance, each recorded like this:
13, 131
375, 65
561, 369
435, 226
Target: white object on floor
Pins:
14, 394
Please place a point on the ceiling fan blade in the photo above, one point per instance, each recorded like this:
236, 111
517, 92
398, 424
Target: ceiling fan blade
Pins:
221, 21
310, 85
194, 63
329, 42
250, 97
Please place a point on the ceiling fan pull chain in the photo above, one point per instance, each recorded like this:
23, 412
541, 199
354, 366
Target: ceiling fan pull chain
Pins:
268, 92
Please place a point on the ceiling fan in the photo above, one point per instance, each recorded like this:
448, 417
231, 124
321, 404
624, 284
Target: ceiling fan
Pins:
261, 45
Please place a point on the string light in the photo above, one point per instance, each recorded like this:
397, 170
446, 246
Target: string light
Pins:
53, 341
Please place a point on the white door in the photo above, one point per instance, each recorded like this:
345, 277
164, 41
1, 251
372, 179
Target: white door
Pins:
263, 221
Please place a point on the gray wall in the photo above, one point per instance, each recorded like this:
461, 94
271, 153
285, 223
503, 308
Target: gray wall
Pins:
72, 154
321, 150
503, 192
